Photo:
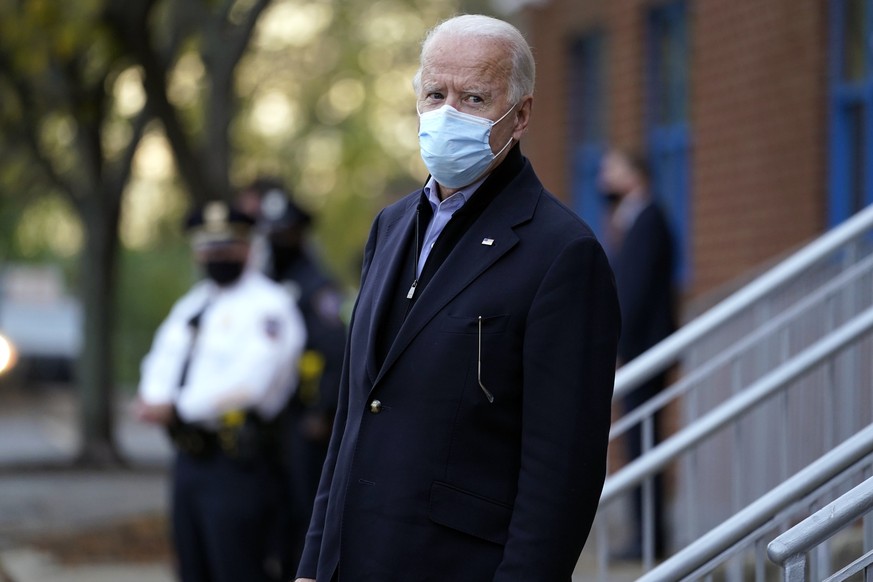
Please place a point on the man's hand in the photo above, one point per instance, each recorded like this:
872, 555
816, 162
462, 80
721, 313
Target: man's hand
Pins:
153, 413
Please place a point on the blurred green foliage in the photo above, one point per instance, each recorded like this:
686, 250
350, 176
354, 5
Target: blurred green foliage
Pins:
168, 271
323, 101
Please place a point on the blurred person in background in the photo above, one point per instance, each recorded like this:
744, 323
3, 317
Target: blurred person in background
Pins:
308, 420
641, 251
473, 417
220, 370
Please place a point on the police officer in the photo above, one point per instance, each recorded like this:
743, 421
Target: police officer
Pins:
221, 368
284, 227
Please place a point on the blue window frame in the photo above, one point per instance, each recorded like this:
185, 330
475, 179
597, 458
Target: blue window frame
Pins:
587, 125
667, 121
851, 108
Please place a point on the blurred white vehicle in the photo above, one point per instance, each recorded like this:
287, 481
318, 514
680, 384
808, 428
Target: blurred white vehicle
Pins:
40, 321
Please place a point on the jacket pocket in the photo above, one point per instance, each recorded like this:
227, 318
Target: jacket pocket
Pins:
469, 513
470, 324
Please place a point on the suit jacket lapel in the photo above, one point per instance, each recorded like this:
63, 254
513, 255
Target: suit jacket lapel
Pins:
469, 259
385, 274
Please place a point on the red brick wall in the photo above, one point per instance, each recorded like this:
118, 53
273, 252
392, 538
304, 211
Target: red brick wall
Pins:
550, 31
758, 117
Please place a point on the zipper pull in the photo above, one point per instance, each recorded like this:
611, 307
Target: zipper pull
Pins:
412, 289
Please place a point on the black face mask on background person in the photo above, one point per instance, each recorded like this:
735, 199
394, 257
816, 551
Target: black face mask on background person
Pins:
224, 272
611, 198
284, 255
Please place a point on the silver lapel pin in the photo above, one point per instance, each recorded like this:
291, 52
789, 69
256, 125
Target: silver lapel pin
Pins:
488, 241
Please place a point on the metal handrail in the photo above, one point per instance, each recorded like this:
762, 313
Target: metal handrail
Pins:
860, 565
752, 518
684, 384
657, 458
666, 353
789, 549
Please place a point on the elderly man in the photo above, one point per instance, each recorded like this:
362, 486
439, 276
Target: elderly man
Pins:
470, 437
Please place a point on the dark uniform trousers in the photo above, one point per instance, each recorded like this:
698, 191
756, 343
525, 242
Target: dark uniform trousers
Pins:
315, 397
222, 512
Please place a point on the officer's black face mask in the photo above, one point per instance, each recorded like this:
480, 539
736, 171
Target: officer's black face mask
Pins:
611, 198
224, 272
284, 254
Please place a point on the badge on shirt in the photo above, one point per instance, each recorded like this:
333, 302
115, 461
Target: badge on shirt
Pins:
273, 328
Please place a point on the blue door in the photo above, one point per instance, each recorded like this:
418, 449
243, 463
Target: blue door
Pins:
851, 103
667, 121
586, 117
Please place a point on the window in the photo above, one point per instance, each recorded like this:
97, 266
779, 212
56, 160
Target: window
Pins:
851, 104
667, 120
587, 122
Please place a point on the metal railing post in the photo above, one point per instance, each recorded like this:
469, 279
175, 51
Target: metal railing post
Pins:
771, 330
795, 569
817, 529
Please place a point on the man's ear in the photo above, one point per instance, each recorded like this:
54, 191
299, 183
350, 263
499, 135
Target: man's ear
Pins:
522, 117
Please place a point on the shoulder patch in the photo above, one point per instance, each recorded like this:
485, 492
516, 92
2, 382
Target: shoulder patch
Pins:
328, 305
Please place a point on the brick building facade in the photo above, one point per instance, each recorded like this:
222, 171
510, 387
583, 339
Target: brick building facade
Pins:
733, 95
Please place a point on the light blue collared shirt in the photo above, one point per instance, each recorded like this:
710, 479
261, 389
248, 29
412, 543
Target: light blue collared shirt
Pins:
442, 213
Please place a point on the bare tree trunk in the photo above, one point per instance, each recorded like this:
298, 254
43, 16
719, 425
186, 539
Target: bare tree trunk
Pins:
96, 367
219, 112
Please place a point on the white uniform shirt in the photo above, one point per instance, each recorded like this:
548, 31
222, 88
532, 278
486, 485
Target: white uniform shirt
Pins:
244, 356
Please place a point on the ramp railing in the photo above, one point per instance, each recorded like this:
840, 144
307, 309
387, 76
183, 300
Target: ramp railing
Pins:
726, 352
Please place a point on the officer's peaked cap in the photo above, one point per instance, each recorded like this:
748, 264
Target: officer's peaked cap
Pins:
218, 223
278, 209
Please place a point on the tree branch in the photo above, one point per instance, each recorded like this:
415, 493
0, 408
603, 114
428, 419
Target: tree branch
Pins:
133, 31
241, 35
124, 166
87, 106
27, 130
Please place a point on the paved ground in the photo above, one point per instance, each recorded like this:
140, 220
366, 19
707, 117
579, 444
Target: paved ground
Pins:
58, 523
61, 524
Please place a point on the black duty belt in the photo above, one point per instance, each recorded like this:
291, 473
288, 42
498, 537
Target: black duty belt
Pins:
240, 435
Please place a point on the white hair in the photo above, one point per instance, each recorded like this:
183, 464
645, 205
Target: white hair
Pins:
523, 71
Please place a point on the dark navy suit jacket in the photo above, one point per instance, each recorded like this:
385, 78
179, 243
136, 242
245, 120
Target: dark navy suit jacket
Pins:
433, 481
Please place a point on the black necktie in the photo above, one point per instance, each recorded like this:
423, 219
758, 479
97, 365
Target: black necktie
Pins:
194, 325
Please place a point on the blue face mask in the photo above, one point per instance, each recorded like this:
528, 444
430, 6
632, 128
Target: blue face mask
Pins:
455, 146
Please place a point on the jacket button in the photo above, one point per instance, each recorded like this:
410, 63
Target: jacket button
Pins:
376, 406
